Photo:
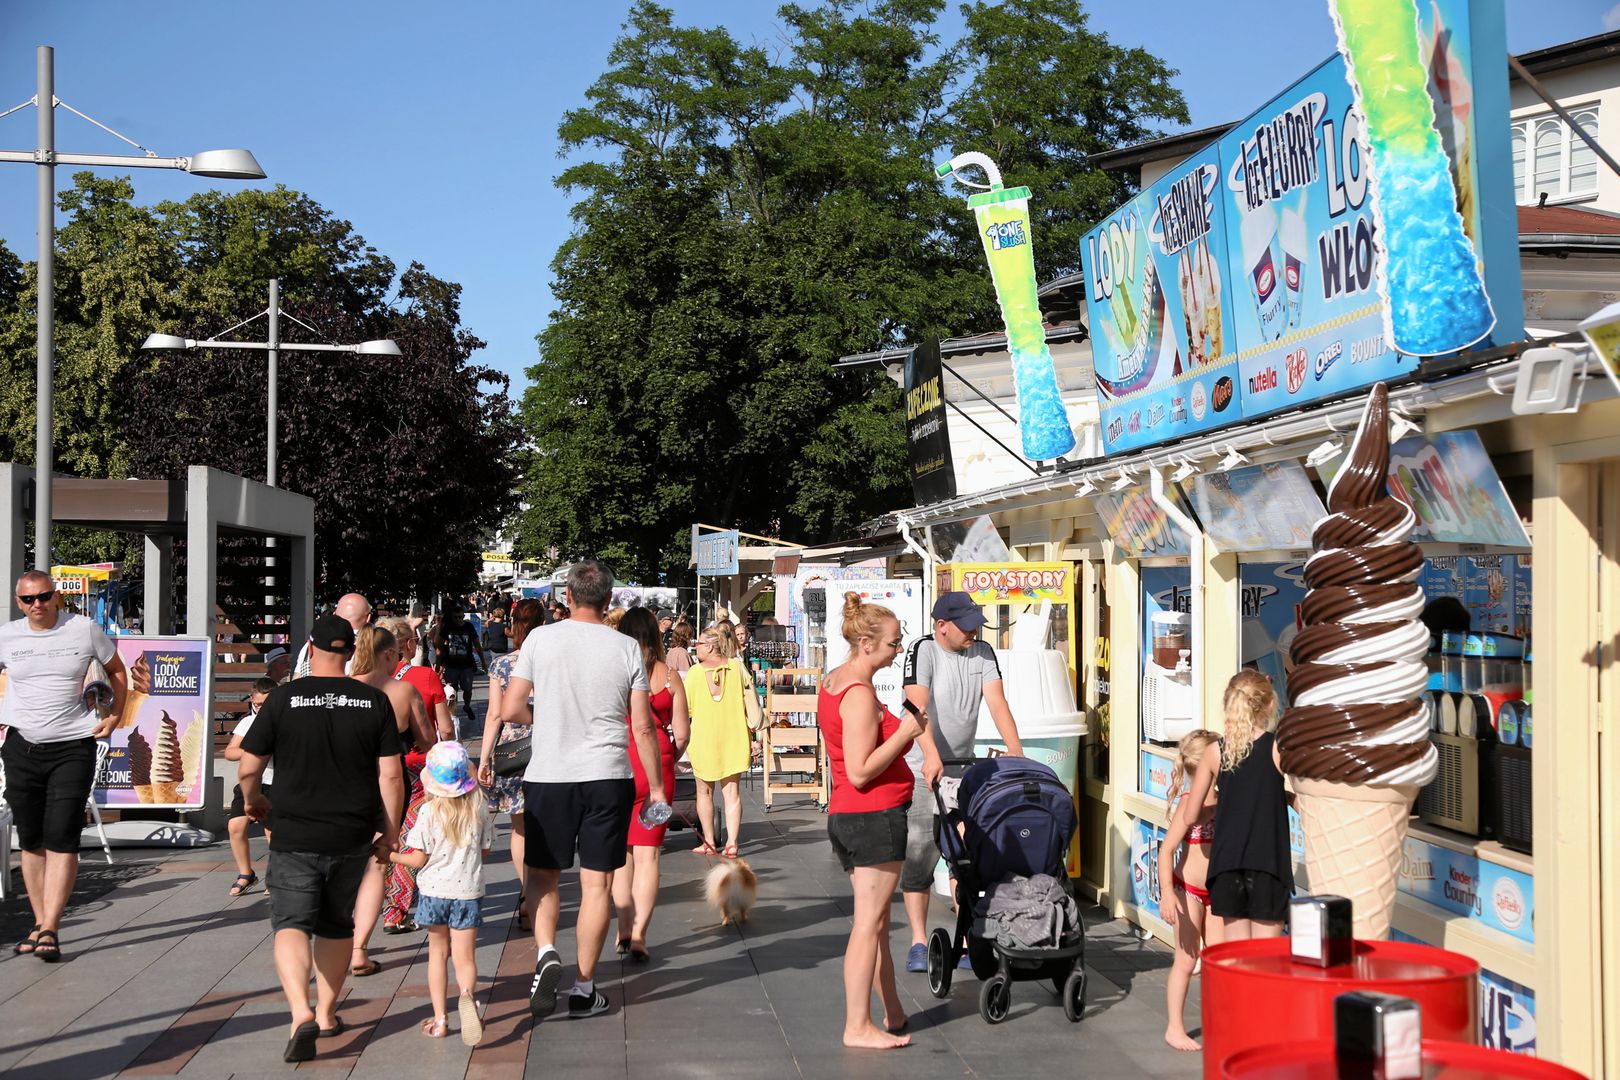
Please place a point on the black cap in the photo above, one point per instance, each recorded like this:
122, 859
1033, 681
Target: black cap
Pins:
332, 633
959, 608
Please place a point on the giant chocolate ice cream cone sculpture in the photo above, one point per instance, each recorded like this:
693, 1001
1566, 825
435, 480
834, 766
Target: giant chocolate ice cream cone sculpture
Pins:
1355, 742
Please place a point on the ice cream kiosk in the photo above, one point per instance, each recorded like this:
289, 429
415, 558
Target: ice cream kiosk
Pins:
1031, 613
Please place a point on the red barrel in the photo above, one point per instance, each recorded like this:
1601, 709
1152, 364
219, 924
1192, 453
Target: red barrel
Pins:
1255, 995
1453, 1061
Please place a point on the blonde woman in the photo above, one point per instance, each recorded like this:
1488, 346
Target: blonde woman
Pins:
720, 749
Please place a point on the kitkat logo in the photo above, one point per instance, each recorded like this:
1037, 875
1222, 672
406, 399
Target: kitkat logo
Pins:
1296, 363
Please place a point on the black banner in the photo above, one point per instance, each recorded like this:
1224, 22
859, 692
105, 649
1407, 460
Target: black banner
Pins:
928, 441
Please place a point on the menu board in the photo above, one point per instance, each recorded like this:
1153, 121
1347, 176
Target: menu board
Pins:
1267, 507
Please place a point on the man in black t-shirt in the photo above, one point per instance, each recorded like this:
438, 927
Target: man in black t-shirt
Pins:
458, 654
338, 785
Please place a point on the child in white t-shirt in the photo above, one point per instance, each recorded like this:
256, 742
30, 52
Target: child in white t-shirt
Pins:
237, 822
447, 847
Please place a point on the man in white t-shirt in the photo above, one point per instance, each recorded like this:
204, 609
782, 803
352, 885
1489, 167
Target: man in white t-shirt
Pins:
50, 747
578, 789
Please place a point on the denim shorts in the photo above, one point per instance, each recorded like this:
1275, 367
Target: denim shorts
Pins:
315, 893
868, 838
456, 914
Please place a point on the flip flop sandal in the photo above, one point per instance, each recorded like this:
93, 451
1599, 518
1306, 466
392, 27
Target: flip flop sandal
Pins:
26, 946
48, 951
730, 852
361, 971
301, 1047
705, 849
623, 946
472, 1028
338, 1027
407, 927
639, 955
243, 883
436, 1029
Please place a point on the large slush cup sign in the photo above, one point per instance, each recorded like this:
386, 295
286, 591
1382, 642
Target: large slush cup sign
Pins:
1361, 220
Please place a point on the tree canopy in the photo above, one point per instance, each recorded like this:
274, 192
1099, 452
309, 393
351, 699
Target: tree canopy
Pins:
748, 213
411, 460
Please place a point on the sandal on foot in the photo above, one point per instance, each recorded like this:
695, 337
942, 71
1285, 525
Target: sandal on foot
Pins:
243, 883
472, 1028
360, 971
639, 954
436, 1028
338, 1027
623, 946
524, 922
705, 848
730, 851
48, 951
407, 927
301, 1047
25, 947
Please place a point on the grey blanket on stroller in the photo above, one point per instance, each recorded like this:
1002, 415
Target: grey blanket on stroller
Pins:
1026, 913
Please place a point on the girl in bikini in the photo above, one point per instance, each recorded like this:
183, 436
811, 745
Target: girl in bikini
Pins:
1184, 899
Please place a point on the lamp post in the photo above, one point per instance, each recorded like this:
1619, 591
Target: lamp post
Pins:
219, 164
273, 346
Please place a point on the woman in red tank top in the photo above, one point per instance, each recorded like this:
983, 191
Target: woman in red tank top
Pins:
866, 819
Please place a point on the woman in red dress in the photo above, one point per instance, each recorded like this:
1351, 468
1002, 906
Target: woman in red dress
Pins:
866, 816
635, 884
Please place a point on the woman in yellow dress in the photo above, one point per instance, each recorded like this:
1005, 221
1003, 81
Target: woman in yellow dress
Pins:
719, 750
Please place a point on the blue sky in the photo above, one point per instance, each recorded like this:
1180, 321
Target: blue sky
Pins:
432, 126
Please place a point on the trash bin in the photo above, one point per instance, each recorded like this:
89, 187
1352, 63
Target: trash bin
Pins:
1455, 1061
1254, 995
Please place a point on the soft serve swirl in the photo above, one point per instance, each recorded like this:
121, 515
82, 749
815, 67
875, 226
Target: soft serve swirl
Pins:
1357, 714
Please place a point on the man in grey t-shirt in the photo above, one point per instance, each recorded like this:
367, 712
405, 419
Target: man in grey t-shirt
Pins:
50, 748
590, 701
948, 675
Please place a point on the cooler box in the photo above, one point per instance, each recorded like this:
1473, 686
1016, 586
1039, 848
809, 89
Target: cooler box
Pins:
1254, 995
1441, 1061
1050, 725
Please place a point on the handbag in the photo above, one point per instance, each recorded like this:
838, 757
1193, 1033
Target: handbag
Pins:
511, 758
751, 707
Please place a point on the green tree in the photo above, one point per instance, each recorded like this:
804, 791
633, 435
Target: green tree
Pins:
746, 217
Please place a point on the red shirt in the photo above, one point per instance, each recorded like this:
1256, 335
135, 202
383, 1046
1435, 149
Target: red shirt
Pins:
893, 786
431, 687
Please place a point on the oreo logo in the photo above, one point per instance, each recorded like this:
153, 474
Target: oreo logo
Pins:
1222, 397
1327, 357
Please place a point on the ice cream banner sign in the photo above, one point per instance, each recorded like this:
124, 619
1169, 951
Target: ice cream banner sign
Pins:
160, 746
1360, 220
1138, 525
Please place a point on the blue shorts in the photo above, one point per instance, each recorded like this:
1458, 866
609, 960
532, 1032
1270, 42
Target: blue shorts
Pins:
456, 914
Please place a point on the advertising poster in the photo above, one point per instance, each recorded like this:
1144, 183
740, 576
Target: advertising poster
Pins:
1507, 1014
161, 748
716, 553
1449, 482
1138, 525
928, 437
1145, 840
1495, 895
905, 599
1272, 596
1155, 778
1257, 507
807, 599
1022, 583
1160, 312
1314, 293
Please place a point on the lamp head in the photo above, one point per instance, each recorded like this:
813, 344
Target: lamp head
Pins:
165, 341
225, 165
378, 347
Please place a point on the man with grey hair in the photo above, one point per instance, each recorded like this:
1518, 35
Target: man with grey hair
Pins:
353, 609
50, 746
578, 790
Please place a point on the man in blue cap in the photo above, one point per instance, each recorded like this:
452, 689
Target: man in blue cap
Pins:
949, 674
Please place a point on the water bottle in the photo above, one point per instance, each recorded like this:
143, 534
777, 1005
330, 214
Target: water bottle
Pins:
654, 814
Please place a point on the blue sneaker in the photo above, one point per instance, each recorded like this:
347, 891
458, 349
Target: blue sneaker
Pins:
917, 959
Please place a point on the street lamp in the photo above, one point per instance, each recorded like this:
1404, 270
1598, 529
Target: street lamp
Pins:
220, 164
273, 313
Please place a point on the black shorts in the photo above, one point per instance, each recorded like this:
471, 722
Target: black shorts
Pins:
1248, 894
592, 817
239, 810
315, 893
47, 786
868, 838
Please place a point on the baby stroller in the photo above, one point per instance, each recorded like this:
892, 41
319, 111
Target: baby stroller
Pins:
1017, 819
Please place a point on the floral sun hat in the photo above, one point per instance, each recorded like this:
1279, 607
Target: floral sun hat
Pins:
448, 772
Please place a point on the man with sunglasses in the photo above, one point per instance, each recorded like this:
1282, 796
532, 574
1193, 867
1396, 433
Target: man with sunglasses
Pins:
50, 745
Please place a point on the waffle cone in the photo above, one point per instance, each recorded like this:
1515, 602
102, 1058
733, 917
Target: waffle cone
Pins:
143, 792
1354, 834
166, 793
132, 708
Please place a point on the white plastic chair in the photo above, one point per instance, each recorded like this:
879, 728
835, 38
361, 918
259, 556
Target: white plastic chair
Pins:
5, 836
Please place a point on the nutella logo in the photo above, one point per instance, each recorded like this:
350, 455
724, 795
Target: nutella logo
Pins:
1261, 381
1295, 363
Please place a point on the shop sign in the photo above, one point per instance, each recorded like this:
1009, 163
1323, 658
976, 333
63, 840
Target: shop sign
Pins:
1269, 507
717, 553
1022, 583
1449, 482
1494, 588
1486, 892
497, 556
1258, 275
161, 749
1138, 525
928, 437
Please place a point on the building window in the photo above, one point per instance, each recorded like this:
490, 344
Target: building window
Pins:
1549, 159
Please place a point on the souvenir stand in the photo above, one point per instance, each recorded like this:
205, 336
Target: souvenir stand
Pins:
795, 758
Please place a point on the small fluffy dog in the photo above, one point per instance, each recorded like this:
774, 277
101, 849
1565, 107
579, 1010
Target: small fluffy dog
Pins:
730, 889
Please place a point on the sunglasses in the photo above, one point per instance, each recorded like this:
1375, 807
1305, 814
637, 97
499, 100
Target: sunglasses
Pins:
35, 598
